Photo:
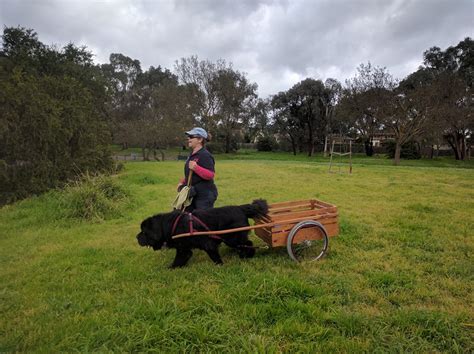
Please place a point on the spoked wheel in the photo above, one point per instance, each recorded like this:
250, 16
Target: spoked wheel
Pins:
307, 241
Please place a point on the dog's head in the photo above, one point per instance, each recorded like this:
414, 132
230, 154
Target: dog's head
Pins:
152, 234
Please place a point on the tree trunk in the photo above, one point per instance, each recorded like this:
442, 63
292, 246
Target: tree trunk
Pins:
455, 143
462, 146
311, 149
227, 143
369, 148
162, 155
293, 145
310, 143
154, 155
398, 149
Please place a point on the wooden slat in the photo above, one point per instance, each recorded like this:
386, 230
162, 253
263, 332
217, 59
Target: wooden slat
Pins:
322, 204
280, 239
264, 235
289, 204
290, 208
284, 226
277, 231
302, 204
263, 219
297, 214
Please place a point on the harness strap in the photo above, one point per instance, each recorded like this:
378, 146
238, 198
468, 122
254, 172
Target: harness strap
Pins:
175, 223
215, 237
191, 219
190, 222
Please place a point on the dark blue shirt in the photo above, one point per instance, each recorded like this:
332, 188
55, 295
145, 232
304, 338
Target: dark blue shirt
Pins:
204, 159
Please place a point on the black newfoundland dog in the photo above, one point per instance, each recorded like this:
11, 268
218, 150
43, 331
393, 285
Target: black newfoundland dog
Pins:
158, 230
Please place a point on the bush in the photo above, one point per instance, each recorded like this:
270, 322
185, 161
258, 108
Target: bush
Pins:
266, 143
52, 117
93, 198
410, 150
215, 148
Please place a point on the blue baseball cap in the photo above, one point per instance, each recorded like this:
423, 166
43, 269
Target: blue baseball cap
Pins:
198, 132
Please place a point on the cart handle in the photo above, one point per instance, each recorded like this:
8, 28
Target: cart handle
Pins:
247, 228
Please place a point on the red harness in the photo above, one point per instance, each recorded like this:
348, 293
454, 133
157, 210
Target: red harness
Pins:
191, 219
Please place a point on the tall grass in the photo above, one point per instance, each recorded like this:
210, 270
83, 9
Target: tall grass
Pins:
397, 279
93, 198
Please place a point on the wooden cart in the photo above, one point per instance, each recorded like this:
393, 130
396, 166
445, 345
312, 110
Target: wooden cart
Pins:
304, 227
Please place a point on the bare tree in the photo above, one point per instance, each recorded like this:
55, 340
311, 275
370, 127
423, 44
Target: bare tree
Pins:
405, 116
453, 103
202, 74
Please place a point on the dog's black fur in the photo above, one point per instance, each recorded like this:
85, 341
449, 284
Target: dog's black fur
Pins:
156, 231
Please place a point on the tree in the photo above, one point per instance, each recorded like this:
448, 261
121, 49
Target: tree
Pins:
451, 81
421, 81
202, 74
452, 108
405, 115
330, 100
234, 96
257, 120
307, 104
149, 108
287, 125
362, 102
226, 96
52, 115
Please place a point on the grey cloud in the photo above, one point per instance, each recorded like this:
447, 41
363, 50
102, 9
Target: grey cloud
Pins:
277, 43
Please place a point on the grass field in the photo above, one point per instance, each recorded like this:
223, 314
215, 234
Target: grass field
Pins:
399, 278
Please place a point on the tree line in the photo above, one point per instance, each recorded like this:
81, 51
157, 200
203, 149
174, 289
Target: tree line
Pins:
59, 111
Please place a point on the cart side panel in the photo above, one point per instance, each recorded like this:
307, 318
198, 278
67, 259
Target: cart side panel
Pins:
265, 234
279, 238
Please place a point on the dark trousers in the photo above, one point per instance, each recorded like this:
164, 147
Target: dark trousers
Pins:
203, 201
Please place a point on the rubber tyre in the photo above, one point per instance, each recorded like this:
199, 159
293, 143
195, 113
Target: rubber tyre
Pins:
307, 250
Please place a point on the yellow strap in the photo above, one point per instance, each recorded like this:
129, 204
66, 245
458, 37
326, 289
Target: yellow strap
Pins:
189, 177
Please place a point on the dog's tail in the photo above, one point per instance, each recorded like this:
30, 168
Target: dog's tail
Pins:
259, 207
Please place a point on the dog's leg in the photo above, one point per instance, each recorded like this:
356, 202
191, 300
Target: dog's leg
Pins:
242, 244
212, 250
246, 249
182, 257
215, 256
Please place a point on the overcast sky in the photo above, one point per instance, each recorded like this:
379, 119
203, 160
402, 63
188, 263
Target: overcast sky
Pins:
277, 43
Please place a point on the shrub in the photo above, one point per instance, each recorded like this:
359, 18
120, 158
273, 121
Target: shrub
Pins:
266, 143
93, 198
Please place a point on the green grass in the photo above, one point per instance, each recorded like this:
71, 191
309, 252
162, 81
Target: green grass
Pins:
399, 278
357, 159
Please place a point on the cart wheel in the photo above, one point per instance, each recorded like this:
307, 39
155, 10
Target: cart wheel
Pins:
307, 241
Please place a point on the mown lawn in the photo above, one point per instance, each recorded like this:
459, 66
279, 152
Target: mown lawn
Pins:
398, 278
